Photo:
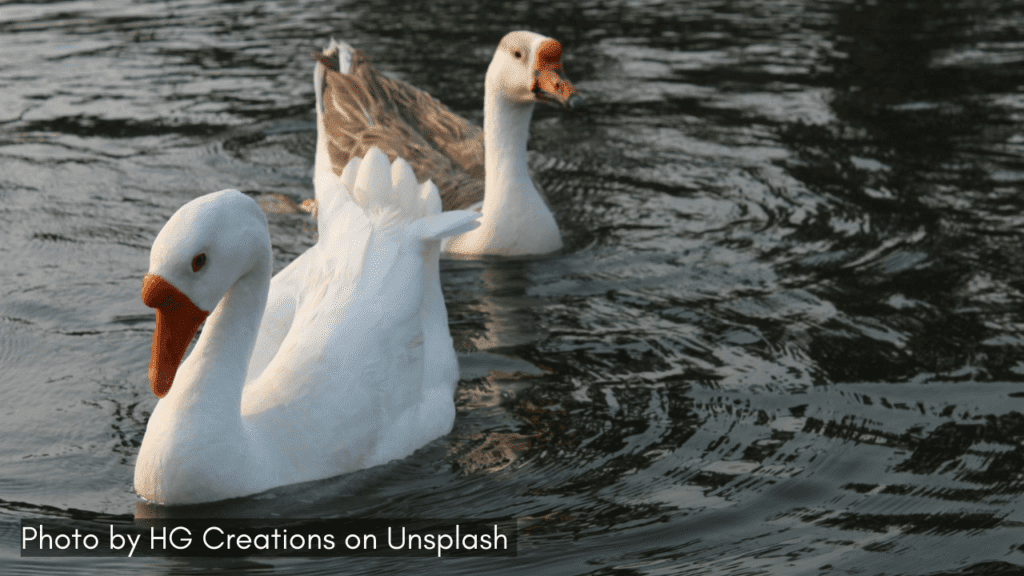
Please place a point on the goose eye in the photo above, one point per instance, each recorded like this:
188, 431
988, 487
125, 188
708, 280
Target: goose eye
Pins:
198, 262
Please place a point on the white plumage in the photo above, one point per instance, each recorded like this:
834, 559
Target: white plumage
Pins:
341, 361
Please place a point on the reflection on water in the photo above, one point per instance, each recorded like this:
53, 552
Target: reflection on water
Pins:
785, 335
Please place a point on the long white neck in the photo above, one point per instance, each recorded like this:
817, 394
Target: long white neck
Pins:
506, 130
515, 218
196, 446
213, 375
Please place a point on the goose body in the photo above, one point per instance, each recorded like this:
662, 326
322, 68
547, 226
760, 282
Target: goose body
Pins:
351, 366
484, 170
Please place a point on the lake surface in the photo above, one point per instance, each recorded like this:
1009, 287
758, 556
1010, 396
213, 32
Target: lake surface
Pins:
785, 336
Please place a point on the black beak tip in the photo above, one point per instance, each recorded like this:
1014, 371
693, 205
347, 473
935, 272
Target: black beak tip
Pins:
575, 102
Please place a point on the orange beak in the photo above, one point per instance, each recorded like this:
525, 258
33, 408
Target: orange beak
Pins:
549, 82
177, 320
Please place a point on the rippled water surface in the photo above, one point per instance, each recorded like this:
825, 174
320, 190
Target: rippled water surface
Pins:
785, 335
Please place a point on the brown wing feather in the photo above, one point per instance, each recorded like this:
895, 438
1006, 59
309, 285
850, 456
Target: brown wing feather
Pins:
365, 108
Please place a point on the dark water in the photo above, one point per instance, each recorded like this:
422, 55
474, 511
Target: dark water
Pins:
786, 334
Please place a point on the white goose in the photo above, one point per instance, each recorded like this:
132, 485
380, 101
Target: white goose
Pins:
487, 171
356, 367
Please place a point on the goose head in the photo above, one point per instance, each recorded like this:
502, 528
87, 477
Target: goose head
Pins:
527, 68
202, 251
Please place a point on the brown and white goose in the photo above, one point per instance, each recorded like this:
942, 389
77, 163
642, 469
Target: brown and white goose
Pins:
486, 170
